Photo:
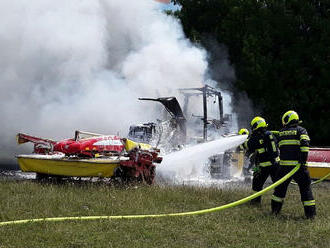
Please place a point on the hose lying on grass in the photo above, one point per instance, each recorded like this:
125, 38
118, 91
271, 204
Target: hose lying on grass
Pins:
317, 181
204, 211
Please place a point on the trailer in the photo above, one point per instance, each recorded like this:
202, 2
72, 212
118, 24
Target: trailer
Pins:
104, 156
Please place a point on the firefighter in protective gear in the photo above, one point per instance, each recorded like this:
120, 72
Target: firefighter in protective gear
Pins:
262, 144
247, 163
243, 131
294, 147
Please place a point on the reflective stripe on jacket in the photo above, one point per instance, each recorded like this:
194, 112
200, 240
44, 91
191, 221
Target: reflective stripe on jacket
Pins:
294, 145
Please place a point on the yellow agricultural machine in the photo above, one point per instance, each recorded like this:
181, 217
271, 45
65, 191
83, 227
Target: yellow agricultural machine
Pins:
105, 156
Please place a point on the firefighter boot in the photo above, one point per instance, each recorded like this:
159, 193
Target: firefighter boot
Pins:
256, 201
310, 211
276, 207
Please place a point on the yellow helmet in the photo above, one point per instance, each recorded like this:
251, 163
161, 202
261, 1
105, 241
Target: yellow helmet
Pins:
257, 123
243, 131
290, 117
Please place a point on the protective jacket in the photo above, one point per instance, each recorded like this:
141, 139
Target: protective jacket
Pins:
263, 143
294, 145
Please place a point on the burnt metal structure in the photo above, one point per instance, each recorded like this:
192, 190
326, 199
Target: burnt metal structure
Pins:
206, 91
172, 106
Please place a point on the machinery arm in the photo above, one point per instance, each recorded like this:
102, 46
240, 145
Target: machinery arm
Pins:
23, 138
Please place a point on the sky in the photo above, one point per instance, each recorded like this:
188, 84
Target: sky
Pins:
169, 6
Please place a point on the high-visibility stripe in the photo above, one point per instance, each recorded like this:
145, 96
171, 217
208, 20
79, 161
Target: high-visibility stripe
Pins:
309, 203
261, 150
304, 137
288, 133
274, 146
276, 133
264, 164
289, 162
304, 149
277, 159
277, 199
271, 137
289, 142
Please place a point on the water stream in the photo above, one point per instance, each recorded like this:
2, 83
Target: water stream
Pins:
189, 165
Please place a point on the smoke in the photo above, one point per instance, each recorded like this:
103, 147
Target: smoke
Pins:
222, 71
245, 110
69, 65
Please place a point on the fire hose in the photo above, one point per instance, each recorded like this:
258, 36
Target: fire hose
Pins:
204, 211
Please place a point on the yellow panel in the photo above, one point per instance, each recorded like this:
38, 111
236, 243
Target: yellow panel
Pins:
238, 160
130, 144
66, 167
318, 172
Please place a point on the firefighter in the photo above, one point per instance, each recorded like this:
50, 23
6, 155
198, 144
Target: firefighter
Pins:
243, 131
247, 163
294, 147
262, 144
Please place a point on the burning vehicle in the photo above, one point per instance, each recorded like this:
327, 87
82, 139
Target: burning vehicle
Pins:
90, 155
169, 134
176, 131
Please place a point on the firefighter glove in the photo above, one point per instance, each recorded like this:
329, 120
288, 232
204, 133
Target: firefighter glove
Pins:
256, 169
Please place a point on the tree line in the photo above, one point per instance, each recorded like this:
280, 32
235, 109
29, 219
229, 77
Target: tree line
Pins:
280, 50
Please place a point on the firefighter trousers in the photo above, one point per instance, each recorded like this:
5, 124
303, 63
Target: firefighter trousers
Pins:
260, 177
304, 182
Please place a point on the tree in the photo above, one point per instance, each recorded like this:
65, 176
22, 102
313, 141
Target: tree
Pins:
280, 51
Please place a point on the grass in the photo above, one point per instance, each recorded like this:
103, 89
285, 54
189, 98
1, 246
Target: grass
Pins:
242, 226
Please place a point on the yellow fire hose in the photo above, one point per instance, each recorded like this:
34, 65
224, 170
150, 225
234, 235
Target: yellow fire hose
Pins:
204, 211
317, 181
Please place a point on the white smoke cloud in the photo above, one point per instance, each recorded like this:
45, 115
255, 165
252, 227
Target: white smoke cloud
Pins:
68, 65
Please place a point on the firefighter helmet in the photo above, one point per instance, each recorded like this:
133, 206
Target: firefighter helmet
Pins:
290, 117
257, 123
243, 131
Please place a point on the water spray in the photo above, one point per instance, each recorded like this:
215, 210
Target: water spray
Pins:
187, 163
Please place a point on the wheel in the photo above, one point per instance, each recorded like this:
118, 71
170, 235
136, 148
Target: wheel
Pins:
41, 176
150, 178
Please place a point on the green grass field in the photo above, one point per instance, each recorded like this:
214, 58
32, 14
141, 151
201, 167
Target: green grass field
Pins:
242, 226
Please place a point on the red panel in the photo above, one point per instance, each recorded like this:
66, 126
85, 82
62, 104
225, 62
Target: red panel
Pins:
109, 143
319, 155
